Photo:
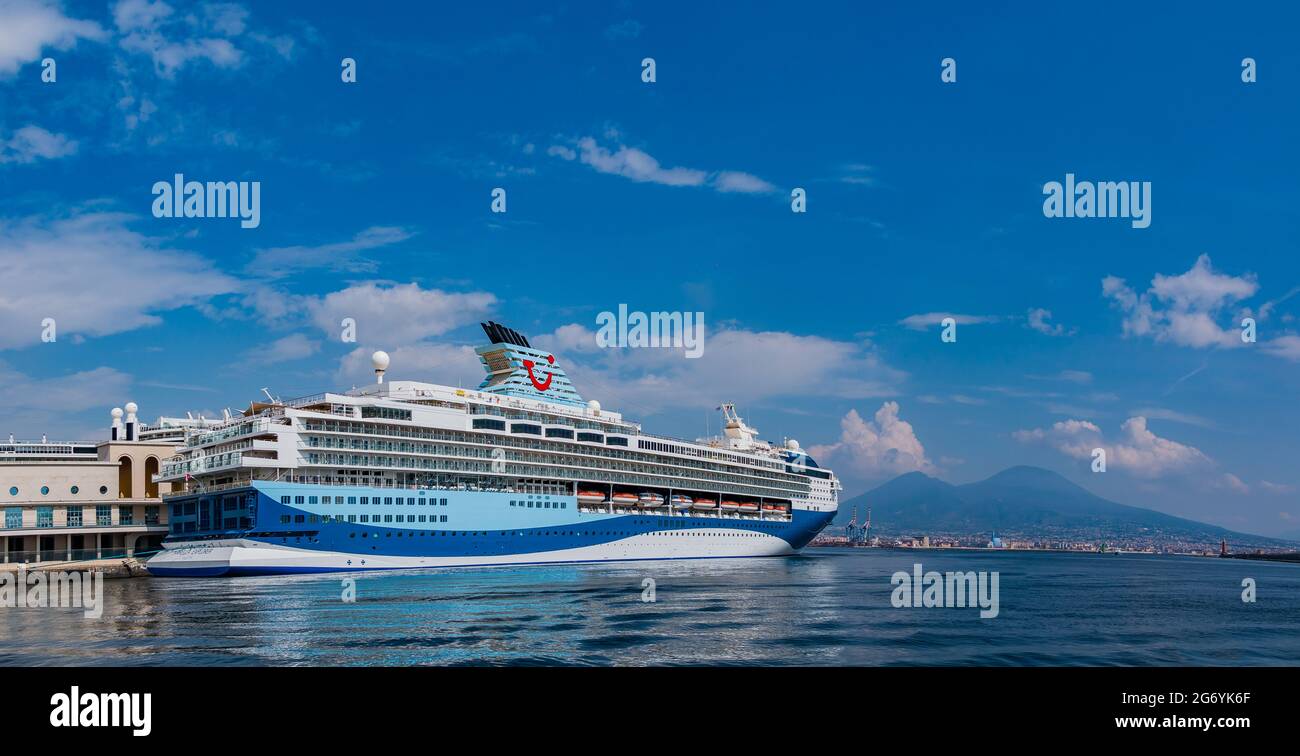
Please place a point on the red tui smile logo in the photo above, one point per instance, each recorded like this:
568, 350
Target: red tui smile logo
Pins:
540, 385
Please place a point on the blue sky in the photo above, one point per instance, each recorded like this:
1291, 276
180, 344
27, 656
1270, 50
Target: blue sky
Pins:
924, 198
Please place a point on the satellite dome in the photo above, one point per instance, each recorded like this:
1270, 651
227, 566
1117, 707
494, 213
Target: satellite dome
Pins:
132, 408
116, 413
380, 360
593, 405
792, 445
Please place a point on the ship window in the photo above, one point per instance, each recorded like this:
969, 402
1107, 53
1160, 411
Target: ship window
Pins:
388, 500
299, 518
285, 499
352, 500
75, 490
484, 423
13, 491
444, 518
559, 433
45, 490
284, 519
102, 490
297, 500
616, 441
442, 502
311, 499
591, 437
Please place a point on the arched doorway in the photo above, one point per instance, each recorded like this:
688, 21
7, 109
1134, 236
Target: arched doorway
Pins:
125, 476
150, 470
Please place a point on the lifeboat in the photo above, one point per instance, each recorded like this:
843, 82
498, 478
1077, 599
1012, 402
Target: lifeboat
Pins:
650, 500
748, 506
625, 499
681, 502
729, 505
704, 504
591, 497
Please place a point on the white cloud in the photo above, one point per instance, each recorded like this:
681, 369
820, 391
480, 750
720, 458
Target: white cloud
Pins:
295, 346
399, 315
62, 397
32, 143
172, 40
1231, 482
1138, 450
638, 165
94, 276
1183, 309
886, 445
738, 181
923, 321
30, 26
737, 365
445, 364
337, 256
1286, 346
1037, 319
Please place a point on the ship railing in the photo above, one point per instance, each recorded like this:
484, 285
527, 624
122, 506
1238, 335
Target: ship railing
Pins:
62, 555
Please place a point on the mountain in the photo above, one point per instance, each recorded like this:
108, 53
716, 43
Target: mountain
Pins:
1026, 500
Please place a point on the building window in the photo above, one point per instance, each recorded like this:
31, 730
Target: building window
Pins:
74, 517
103, 515
45, 517
13, 517
125, 515
151, 514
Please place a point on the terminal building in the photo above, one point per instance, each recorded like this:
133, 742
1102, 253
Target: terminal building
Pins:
88, 500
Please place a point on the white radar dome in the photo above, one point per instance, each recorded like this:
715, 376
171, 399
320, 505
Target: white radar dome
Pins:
116, 413
593, 405
380, 360
132, 408
792, 445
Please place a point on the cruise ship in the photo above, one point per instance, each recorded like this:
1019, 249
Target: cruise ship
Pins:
522, 470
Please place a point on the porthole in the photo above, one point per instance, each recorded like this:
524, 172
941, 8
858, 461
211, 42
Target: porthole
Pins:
103, 490
75, 490
45, 490
13, 491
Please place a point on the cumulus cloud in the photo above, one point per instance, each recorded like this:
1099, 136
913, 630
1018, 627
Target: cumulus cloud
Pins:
295, 346
31, 26
1137, 450
638, 165
446, 364
94, 276
926, 320
1183, 309
886, 445
391, 316
736, 365
1038, 319
61, 398
32, 143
